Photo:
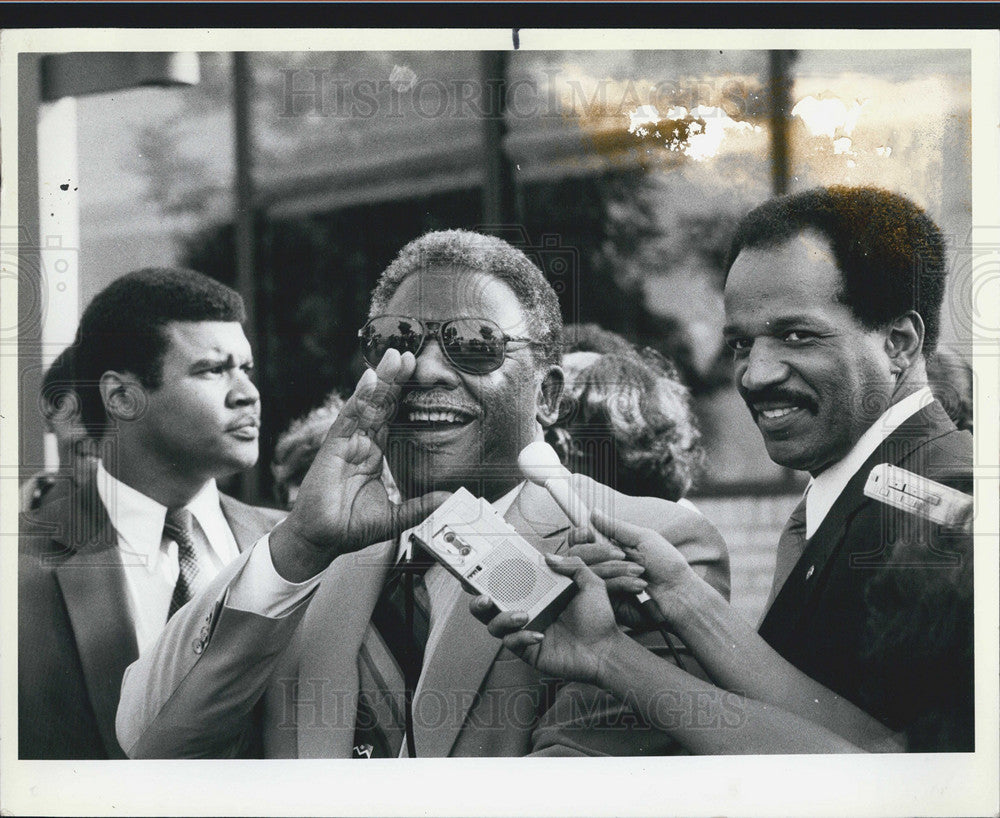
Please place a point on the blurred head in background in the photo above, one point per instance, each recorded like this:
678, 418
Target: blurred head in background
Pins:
297, 446
950, 378
625, 418
60, 406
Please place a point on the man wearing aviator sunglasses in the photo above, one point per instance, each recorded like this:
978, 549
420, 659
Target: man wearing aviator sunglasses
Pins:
462, 341
476, 346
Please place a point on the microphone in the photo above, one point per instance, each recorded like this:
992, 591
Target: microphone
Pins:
539, 463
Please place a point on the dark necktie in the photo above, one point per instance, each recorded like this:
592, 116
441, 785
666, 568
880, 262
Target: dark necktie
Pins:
402, 619
404, 628
179, 527
791, 544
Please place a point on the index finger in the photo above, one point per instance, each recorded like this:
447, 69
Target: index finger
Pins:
625, 534
376, 395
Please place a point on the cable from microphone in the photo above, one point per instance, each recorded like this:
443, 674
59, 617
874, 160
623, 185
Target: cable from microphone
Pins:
539, 462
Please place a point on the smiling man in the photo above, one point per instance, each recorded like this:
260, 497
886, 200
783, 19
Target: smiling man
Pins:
163, 372
360, 652
833, 303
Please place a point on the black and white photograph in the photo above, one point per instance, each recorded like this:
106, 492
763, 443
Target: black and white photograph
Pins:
499, 421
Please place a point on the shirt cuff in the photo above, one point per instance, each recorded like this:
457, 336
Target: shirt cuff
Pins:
685, 503
260, 589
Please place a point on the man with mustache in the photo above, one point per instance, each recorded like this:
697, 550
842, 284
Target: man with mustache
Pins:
833, 305
163, 374
359, 652
833, 300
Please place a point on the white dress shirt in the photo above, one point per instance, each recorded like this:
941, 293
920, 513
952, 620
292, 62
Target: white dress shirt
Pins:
150, 559
823, 490
260, 589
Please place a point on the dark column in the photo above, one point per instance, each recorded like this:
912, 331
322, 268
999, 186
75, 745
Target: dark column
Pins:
243, 222
780, 86
499, 187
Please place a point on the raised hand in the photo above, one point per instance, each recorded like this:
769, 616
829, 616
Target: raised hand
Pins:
577, 644
342, 504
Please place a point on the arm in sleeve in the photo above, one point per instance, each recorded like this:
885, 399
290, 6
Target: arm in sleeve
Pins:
584, 720
193, 693
663, 710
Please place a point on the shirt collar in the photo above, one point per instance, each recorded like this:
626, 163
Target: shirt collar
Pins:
501, 506
138, 519
824, 489
207, 510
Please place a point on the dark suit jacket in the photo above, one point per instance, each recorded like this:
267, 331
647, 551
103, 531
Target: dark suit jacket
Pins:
827, 616
75, 633
197, 692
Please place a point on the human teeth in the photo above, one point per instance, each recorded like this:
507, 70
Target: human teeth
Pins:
436, 416
777, 413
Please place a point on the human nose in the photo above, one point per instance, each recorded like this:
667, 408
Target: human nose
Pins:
433, 367
762, 367
243, 391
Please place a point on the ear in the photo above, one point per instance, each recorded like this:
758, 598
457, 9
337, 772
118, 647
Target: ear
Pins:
547, 399
904, 341
123, 396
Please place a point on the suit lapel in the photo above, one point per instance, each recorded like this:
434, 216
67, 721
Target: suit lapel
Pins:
807, 576
463, 651
247, 523
93, 587
337, 619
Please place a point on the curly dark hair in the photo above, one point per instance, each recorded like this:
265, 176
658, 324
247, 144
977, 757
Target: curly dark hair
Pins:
298, 444
633, 400
58, 395
487, 254
891, 255
122, 327
949, 375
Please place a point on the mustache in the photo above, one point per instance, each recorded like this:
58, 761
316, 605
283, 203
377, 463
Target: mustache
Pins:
437, 399
778, 395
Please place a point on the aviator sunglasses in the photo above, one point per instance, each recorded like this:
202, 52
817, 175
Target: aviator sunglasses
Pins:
476, 346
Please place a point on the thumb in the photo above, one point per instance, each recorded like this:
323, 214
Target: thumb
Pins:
414, 511
618, 530
574, 568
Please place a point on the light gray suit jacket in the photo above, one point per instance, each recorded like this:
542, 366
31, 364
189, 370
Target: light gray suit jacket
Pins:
222, 682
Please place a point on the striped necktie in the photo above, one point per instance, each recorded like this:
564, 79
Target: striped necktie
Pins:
179, 527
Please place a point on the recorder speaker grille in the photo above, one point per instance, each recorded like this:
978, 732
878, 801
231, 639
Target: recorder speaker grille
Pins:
512, 580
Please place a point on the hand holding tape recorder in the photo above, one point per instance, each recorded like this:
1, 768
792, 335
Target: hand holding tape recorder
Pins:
487, 556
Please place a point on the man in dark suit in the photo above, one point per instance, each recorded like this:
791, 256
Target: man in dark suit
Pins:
463, 341
163, 376
833, 301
